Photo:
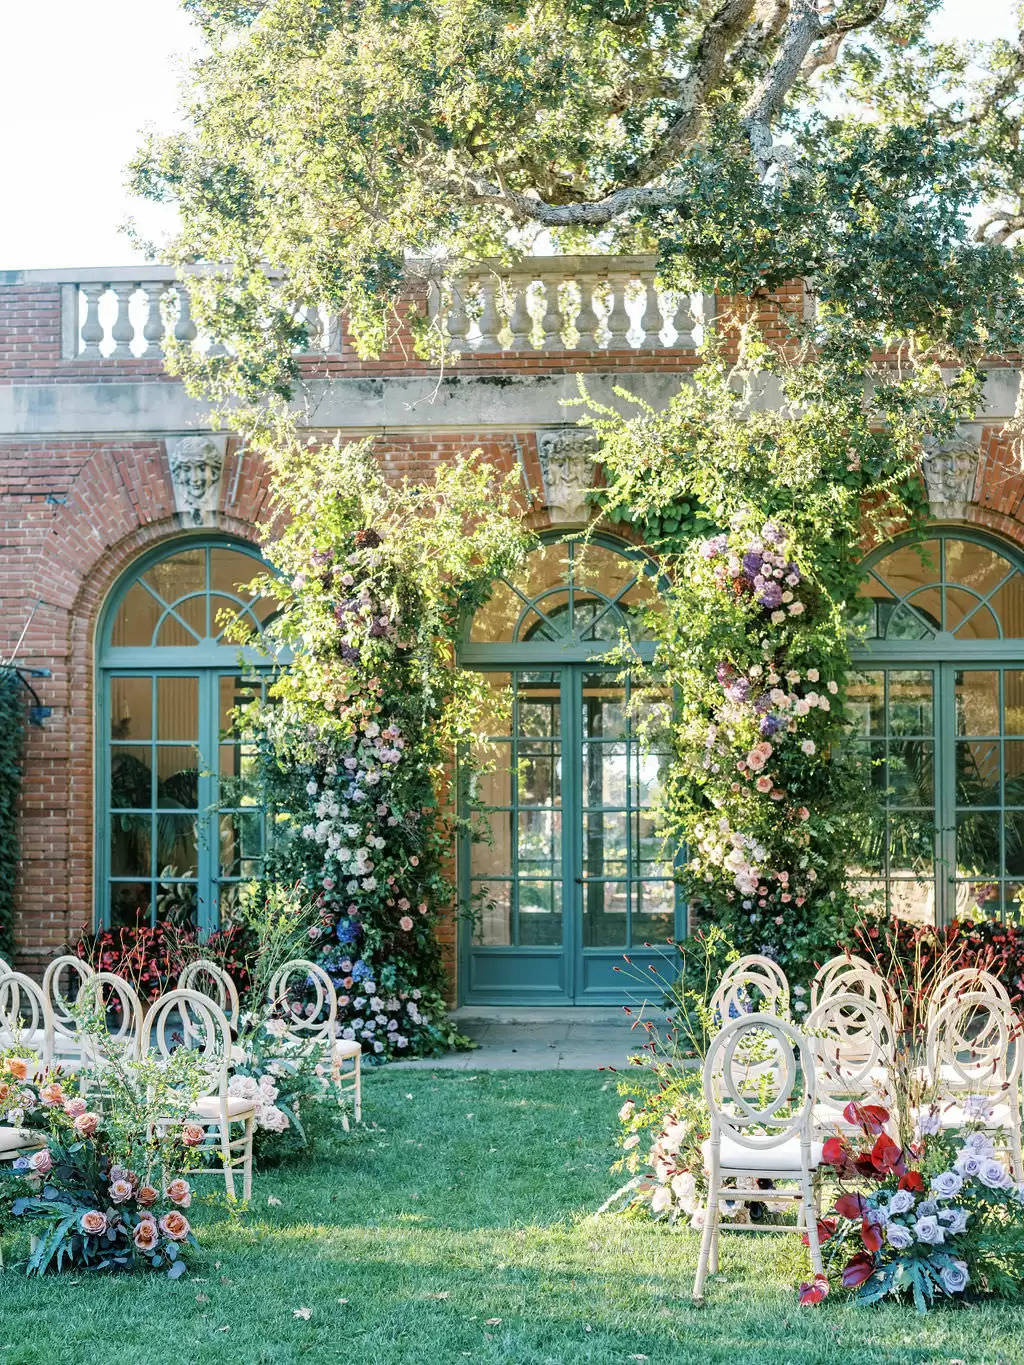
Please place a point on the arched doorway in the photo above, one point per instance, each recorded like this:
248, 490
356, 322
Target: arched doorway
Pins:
573, 876
179, 821
939, 718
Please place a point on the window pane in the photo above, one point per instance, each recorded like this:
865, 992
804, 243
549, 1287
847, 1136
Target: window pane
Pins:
604, 774
910, 703
605, 915
136, 619
540, 768
177, 777
497, 619
179, 574
241, 844
131, 777
177, 902
490, 859
977, 772
492, 903
604, 844
977, 844
653, 911
540, 913
913, 900
977, 702
229, 569
909, 772
177, 708
866, 700
911, 843
604, 707
540, 842
651, 858
1014, 836
1013, 772
130, 904
175, 845
1007, 603
1013, 701
130, 845
131, 708
177, 631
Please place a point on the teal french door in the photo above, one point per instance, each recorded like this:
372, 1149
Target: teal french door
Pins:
943, 746
568, 877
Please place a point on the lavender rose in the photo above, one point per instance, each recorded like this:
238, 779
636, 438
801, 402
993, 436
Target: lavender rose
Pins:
947, 1185
929, 1231
954, 1277
902, 1201
898, 1236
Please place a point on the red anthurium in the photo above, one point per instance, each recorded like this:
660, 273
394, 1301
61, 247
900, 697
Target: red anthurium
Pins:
857, 1270
826, 1229
850, 1206
870, 1235
886, 1155
813, 1291
871, 1117
911, 1180
835, 1152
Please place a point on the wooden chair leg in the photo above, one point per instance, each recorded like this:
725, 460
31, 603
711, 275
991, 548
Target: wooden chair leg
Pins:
250, 1127
714, 1244
359, 1090
809, 1210
710, 1220
225, 1157
1016, 1160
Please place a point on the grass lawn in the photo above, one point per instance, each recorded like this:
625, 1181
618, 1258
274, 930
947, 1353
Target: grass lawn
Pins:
455, 1227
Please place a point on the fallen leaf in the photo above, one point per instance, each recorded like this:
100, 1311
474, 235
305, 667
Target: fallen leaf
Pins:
441, 1294
273, 1201
223, 1329
304, 1313
343, 1300
202, 1298
639, 1357
492, 1322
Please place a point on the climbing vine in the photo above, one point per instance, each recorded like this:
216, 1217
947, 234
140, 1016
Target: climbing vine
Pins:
12, 738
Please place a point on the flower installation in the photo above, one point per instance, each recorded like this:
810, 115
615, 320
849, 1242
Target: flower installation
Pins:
941, 1219
355, 743
287, 1081
88, 1211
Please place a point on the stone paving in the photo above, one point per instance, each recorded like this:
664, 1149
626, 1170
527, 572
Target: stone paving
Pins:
568, 1039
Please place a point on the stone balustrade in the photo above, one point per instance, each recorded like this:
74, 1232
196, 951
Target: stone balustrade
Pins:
547, 303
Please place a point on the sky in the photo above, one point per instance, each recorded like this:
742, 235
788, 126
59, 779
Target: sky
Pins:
78, 81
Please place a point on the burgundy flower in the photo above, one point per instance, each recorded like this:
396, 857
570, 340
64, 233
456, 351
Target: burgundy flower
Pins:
858, 1269
813, 1291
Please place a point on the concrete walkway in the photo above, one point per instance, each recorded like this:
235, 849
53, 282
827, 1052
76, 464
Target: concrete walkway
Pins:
567, 1039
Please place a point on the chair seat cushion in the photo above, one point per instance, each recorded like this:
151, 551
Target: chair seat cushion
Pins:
16, 1140
345, 1048
784, 1157
209, 1107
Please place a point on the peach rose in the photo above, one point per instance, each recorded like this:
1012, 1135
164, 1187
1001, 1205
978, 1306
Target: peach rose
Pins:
5, 1090
180, 1192
192, 1134
41, 1162
75, 1107
405, 923
17, 1067
175, 1226
146, 1234
86, 1124
120, 1191
52, 1094
94, 1223
147, 1195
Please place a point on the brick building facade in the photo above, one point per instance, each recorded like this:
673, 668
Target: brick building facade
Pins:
90, 424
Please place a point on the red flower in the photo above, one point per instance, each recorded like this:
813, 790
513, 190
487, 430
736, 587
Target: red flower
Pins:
858, 1269
871, 1117
911, 1180
835, 1152
886, 1155
813, 1291
850, 1206
826, 1229
870, 1235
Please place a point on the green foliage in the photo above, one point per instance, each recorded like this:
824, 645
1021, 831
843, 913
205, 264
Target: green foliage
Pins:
355, 745
12, 738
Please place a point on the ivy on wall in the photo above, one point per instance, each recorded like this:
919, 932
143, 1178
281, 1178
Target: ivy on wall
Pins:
12, 737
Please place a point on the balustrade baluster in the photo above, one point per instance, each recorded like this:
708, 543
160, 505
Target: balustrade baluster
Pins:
520, 323
123, 329
551, 322
652, 321
153, 327
458, 318
184, 327
586, 318
92, 328
490, 319
683, 321
618, 321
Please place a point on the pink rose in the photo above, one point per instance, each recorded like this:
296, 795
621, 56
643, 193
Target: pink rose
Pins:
405, 923
191, 1134
94, 1223
41, 1162
146, 1234
174, 1225
75, 1107
764, 784
17, 1067
86, 1124
180, 1192
120, 1191
147, 1195
52, 1094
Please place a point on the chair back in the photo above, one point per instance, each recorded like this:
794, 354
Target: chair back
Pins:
848, 974
751, 984
209, 978
22, 1013
752, 1083
5, 966
66, 971
302, 996
187, 1018
972, 979
123, 1011
974, 1046
853, 1046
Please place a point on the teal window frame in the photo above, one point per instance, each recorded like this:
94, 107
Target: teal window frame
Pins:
209, 660
947, 660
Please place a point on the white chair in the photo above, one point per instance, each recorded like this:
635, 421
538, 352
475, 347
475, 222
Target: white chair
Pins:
209, 978
975, 1058
302, 996
965, 979
761, 1127
751, 984
188, 1018
853, 1045
848, 974
5, 966
23, 1015
63, 1040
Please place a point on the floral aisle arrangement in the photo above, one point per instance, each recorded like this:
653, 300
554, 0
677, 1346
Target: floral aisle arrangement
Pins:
940, 1219
103, 1191
288, 1082
357, 739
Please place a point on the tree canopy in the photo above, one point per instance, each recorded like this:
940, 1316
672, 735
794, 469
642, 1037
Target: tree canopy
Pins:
351, 144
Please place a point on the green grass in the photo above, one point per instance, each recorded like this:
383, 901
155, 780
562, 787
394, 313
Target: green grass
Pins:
467, 1199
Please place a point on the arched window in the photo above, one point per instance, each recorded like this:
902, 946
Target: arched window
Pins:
939, 713
179, 820
572, 875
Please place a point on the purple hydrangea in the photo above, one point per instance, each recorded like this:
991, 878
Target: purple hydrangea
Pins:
772, 533
710, 549
738, 689
770, 596
762, 702
770, 725
752, 563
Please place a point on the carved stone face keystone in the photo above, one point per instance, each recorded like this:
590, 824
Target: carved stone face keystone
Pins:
197, 464
566, 457
949, 471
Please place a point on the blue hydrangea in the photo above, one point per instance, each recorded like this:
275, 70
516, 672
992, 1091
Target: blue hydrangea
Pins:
361, 972
348, 930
